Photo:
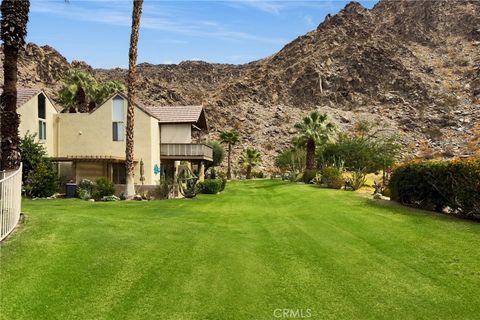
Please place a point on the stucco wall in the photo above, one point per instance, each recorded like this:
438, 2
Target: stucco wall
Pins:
90, 134
29, 123
176, 133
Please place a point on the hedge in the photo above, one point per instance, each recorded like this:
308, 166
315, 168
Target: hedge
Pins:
439, 185
211, 186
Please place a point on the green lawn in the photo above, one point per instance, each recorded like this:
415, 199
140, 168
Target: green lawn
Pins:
258, 247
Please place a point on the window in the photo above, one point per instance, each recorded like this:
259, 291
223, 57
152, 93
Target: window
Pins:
42, 123
119, 173
118, 116
42, 129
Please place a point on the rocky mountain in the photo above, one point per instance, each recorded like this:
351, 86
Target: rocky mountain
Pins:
414, 65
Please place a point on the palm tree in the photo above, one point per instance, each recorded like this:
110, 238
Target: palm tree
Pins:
249, 159
313, 130
132, 79
231, 138
81, 92
13, 32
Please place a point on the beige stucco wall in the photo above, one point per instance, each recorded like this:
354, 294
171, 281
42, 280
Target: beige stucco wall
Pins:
29, 123
176, 133
90, 134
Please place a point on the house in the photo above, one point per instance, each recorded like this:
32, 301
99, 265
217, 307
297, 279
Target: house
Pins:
91, 145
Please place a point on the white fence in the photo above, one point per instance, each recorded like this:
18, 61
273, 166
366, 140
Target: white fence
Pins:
10, 200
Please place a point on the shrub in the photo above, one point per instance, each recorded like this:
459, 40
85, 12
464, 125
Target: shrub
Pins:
437, 185
42, 180
38, 174
222, 176
210, 186
292, 160
103, 188
332, 177
309, 175
85, 189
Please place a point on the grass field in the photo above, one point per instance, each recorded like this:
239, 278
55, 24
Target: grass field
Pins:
258, 247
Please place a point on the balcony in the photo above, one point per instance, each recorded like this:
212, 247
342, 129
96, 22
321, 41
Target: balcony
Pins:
185, 151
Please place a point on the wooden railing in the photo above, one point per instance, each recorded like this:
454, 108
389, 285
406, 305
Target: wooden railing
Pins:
185, 151
10, 200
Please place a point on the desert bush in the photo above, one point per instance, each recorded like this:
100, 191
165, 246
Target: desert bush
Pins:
332, 177
359, 152
210, 186
103, 188
439, 185
292, 159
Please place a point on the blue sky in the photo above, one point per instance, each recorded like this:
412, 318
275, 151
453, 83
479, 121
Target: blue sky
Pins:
234, 31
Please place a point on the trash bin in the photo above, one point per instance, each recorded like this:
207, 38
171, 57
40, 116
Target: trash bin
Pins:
70, 190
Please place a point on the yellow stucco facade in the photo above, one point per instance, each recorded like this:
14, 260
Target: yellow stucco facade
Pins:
90, 135
29, 122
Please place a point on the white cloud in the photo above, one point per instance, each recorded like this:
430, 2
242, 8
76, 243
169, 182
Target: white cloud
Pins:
277, 6
108, 12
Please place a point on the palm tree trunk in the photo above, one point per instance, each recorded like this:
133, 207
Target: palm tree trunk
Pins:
229, 165
13, 32
132, 79
81, 99
311, 154
249, 172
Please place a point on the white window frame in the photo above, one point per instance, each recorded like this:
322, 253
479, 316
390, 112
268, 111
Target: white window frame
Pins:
42, 129
116, 122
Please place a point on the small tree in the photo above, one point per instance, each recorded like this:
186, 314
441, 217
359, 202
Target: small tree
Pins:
368, 148
249, 159
230, 138
218, 155
38, 176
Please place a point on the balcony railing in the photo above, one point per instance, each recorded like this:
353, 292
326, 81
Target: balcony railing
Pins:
186, 151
